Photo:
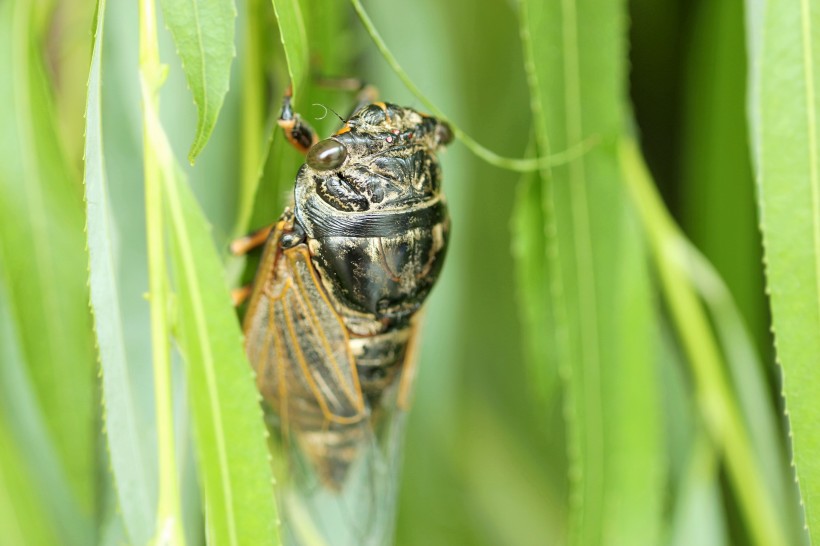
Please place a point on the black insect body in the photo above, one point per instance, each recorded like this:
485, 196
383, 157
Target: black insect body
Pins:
330, 323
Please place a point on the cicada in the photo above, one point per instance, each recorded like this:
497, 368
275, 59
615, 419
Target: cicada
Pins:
332, 316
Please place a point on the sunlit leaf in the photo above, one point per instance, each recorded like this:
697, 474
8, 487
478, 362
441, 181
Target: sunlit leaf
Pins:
784, 45
229, 432
131, 471
42, 252
203, 32
23, 516
37, 481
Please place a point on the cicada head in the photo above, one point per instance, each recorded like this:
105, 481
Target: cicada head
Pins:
369, 199
384, 158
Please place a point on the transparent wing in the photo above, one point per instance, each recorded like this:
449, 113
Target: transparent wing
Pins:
342, 475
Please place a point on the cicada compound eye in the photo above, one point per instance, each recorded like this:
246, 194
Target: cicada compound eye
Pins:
326, 155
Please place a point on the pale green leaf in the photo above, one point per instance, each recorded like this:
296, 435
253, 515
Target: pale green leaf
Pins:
229, 431
42, 252
203, 32
784, 47
132, 473
24, 518
42, 491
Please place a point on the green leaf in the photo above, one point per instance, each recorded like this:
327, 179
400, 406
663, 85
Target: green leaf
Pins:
599, 293
42, 252
716, 186
203, 32
229, 431
133, 474
784, 47
31, 452
719, 214
529, 246
492, 158
749, 381
294, 39
717, 402
24, 518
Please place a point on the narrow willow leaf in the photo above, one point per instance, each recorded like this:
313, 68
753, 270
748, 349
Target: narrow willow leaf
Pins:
599, 285
229, 431
132, 474
784, 48
42, 251
294, 39
529, 247
24, 518
203, 32
31, 448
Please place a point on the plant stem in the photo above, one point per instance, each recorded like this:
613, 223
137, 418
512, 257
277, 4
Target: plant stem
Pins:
510, 163
169, 517
715, 397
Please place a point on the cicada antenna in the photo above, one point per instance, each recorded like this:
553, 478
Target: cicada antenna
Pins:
326, 108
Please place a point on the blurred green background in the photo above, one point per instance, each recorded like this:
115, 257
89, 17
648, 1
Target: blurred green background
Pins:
486, 456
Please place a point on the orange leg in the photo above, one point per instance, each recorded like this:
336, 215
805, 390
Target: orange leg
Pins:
298, 132
243, 245
239, 295
408, 373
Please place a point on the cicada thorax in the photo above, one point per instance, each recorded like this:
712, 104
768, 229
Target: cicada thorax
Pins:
342, 278
377, 230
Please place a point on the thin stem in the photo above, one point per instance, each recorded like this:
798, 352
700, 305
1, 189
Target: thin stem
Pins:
169, 518
715, 397
510, 163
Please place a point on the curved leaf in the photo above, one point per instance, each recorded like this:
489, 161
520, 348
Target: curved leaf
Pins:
294, 40
203, 32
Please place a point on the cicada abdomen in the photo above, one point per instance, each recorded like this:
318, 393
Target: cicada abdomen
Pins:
331, 318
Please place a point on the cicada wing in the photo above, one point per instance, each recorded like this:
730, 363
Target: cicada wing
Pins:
362, 511
298, 344
342, 475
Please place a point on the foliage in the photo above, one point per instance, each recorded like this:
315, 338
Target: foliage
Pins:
586, 375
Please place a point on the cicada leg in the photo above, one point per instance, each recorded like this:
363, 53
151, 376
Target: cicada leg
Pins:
298, 132
408, 376
239, 295
242, 246
255, 239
